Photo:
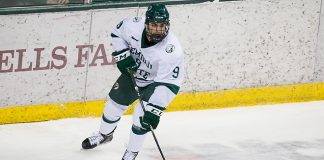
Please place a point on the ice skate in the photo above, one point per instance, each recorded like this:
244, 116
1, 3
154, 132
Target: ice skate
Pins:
96, 139
129, 155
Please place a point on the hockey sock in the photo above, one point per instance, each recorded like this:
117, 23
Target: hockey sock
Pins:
136, 141
111, 116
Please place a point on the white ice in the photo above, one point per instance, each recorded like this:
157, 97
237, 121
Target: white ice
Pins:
274, 132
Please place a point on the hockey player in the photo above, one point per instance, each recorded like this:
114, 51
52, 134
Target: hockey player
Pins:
143, 46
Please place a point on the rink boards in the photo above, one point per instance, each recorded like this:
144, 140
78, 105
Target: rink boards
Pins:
58, 65
183, 102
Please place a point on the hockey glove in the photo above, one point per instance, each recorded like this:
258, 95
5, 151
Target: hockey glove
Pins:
124, 61
151, 116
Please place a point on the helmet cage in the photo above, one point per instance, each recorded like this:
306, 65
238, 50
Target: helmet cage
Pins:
156, 31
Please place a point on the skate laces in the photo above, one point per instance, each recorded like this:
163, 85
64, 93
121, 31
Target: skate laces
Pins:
96, 138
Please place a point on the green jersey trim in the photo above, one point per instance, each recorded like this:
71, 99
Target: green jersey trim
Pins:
113, 35
174, 88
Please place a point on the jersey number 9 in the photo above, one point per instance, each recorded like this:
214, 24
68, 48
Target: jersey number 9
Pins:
176, 72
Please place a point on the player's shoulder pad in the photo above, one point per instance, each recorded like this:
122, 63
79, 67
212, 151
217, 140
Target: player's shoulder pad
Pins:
132, 20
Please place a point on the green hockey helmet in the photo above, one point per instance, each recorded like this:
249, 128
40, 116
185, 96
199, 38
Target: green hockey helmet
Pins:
157, 13
157, 22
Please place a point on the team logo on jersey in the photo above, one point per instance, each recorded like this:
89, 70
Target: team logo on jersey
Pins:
137, 19
170, 48
116, 86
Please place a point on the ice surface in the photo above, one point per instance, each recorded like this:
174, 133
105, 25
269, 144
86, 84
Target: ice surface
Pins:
274, 132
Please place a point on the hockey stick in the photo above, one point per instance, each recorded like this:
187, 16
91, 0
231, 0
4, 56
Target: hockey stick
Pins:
143, 108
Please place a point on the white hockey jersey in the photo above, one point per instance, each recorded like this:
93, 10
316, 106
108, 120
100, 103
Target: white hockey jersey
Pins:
162, 62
